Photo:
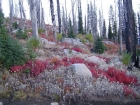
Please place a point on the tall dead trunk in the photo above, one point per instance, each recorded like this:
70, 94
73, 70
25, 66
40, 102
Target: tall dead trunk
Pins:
11, 14
22, 15
43, 22
33, 18
53, 19
130, 29
59, 17
120, 24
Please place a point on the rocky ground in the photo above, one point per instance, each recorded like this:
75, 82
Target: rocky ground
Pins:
73, 76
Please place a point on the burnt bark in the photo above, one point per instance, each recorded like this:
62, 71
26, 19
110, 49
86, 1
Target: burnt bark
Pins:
59, 17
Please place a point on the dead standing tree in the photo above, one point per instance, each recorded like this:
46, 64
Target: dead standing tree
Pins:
11, 14
53, 19
22, 14
73, 16
33, 17
130, 29
120, 7
59, 17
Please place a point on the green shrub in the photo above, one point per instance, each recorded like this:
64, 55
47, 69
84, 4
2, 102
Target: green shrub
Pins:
89, 37
82, 38
33, 43
15, 25
11, 52
126, 58
41, 30
137, 52
59, 36
99, 46
21, 35
29, 30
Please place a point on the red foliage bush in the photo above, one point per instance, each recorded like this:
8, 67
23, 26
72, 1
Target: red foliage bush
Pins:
77, 49
120, 76
76, 60
91, 64
15, 69
114, 75
129, 91
36, 67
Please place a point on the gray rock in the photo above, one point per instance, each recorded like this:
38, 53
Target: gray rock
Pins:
118, 63
96, 60
1, 103
40, 52
2, 89
22, 86
81, 69
12, 80
54, 103
15, 31
111, 65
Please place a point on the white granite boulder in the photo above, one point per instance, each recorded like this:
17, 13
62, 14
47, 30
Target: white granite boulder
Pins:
96, 60
81, 69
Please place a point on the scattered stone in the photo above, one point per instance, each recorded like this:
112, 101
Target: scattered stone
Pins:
96, 60
40, 53
81, 69
12, 80
111, 65
118, 63
22, 86
2, 89
45, 41
54, 103
1, 103
14, 31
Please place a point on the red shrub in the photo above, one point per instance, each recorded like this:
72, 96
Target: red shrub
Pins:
76, 60
77, 49
128, 91
121, 76
16, 69
91, 64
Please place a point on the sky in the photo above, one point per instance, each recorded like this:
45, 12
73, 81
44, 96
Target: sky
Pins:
105, 5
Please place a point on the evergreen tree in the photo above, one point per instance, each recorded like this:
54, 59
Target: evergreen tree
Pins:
110, 34
80, 21
99, 46
104, 30
70, 31
11, 52
114, 30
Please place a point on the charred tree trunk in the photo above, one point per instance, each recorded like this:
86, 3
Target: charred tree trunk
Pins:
130, 29
120, 24
53, 19
59, 17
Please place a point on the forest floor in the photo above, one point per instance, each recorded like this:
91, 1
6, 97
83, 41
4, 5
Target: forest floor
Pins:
47, 101
52, 51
